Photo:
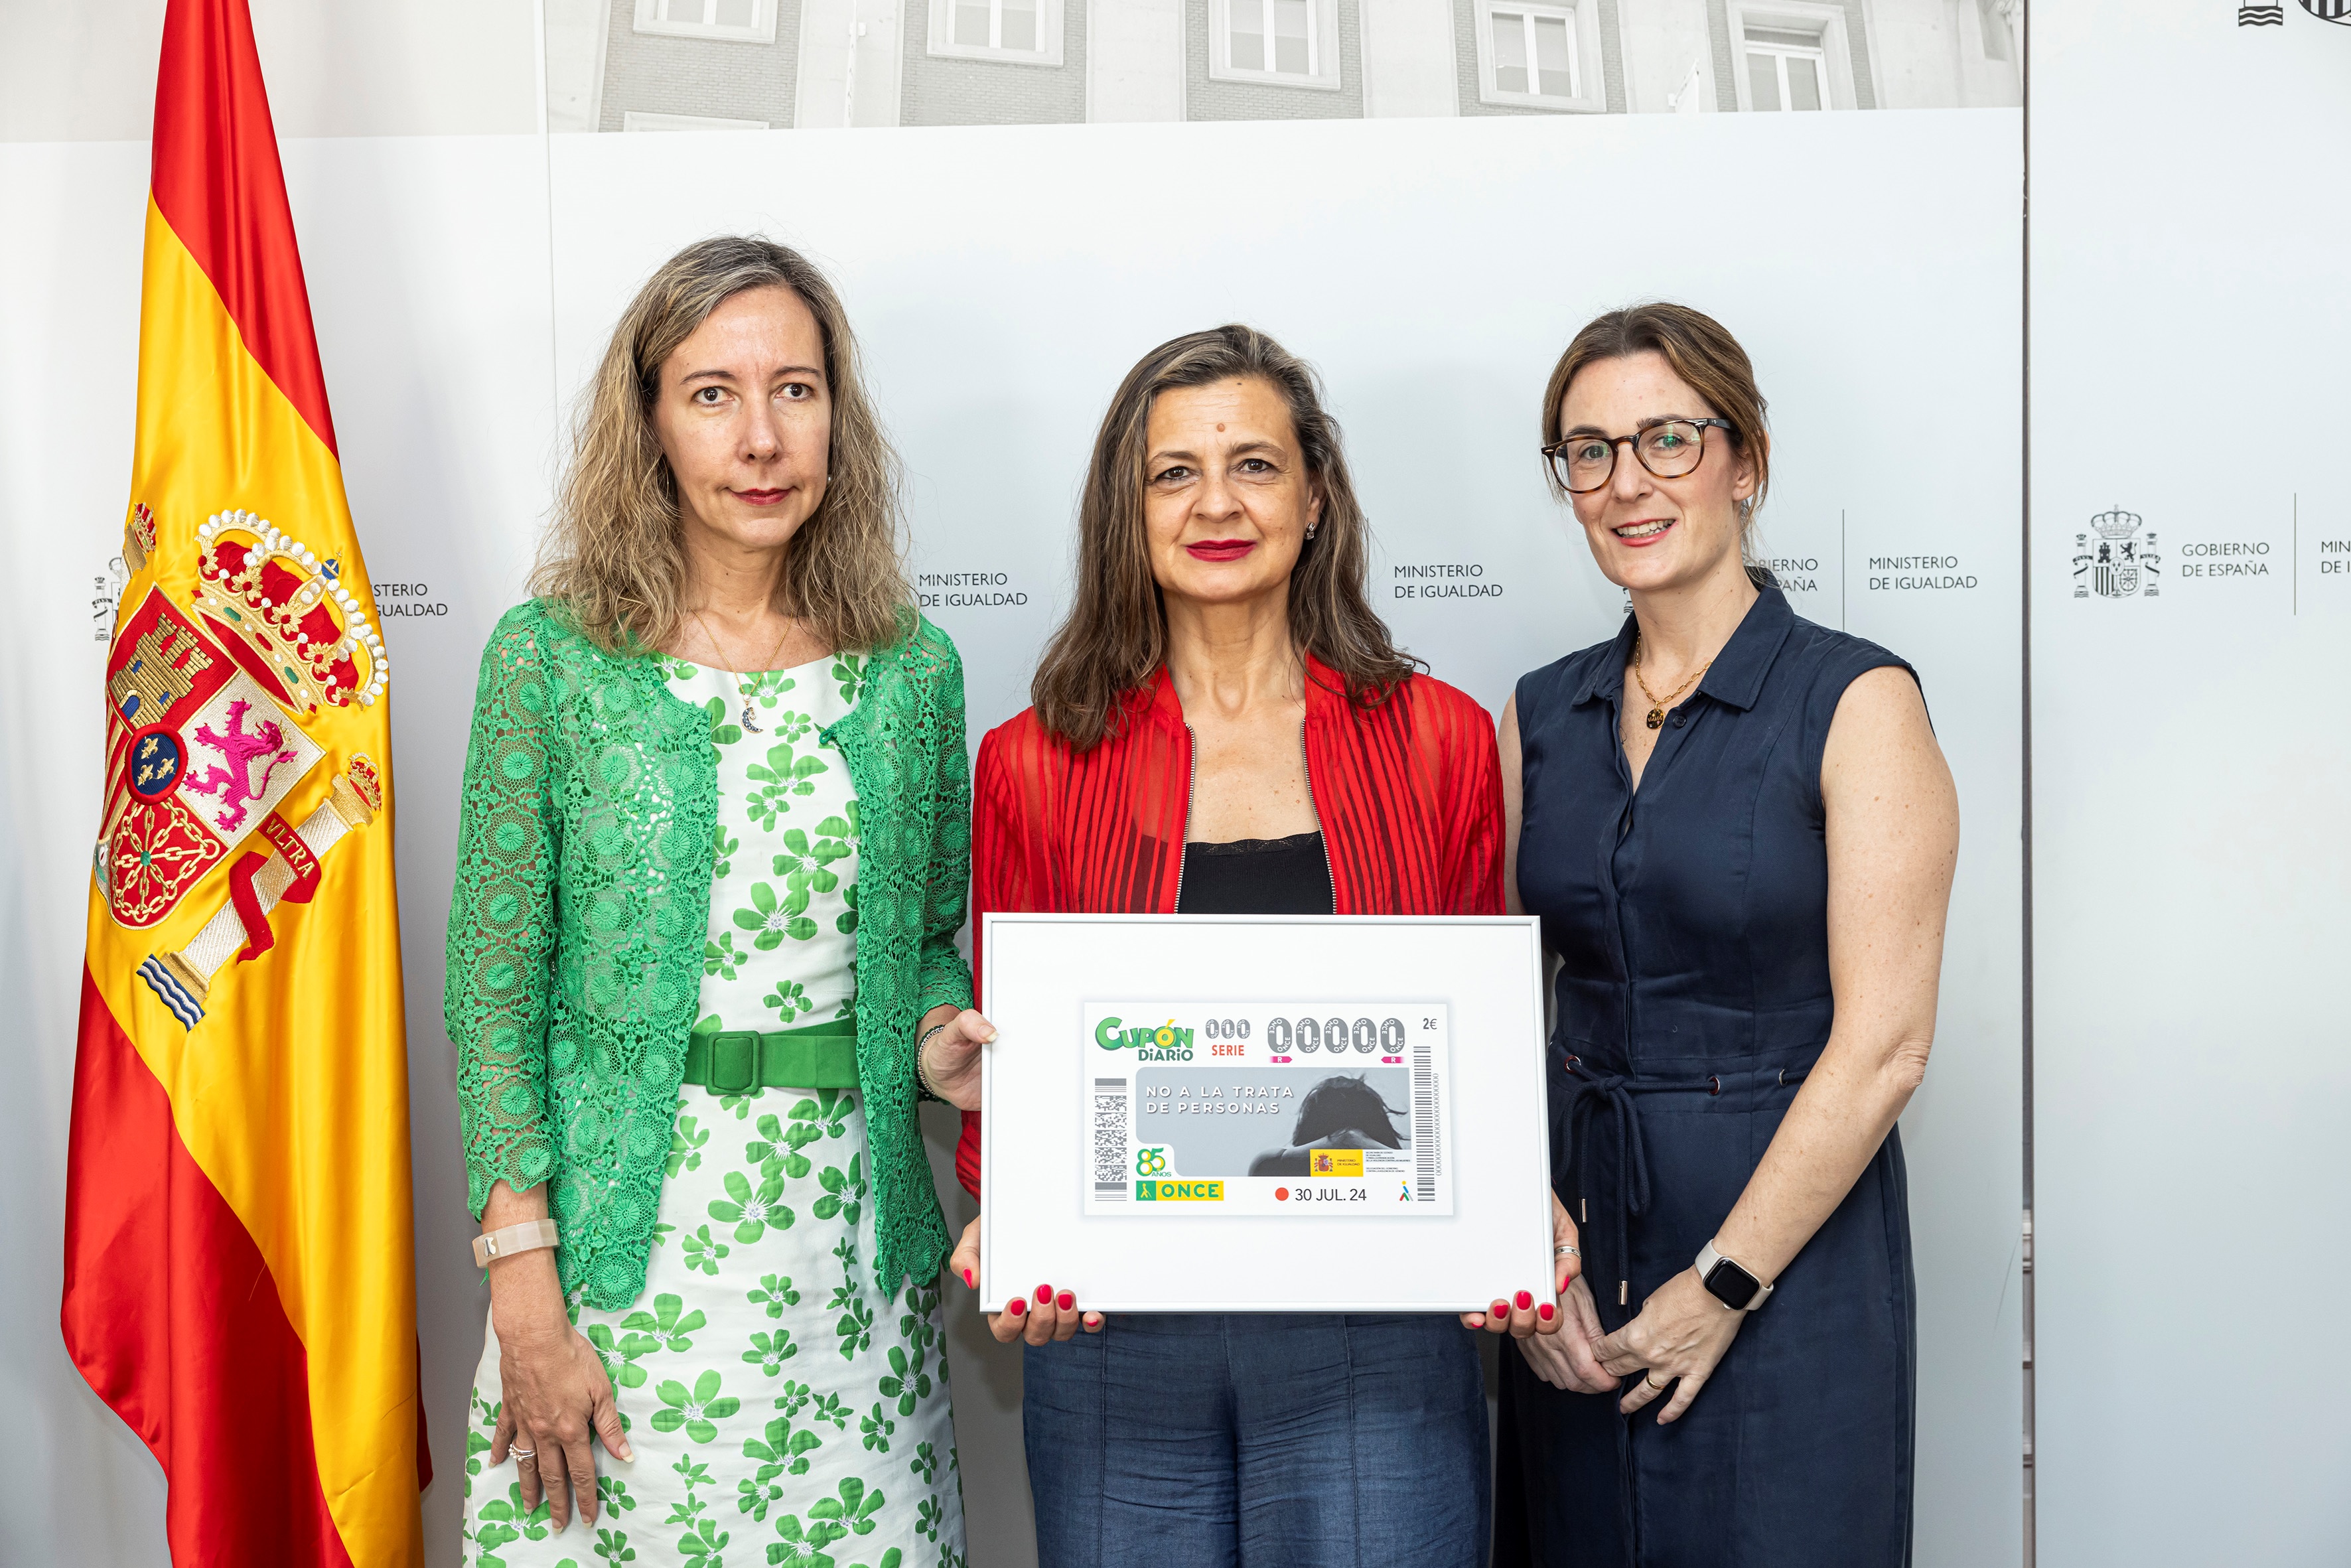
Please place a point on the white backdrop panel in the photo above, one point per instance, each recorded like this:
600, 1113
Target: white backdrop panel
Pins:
2191, 758
1004, 280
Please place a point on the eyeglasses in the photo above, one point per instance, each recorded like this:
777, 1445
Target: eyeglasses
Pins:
1667, 449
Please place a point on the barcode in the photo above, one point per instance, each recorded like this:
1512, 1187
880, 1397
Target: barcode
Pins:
1423, 1119
1109, 1137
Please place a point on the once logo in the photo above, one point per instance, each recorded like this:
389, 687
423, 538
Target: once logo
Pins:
1180, 1191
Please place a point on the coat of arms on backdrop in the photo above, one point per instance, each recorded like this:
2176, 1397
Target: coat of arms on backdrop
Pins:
205, 705
2114, 560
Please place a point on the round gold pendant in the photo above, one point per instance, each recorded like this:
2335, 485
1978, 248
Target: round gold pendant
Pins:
1657, 718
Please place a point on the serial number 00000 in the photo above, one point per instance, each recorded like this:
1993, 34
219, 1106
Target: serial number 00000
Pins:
1309, 1035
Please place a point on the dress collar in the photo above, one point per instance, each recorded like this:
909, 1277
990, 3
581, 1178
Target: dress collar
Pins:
1735, 678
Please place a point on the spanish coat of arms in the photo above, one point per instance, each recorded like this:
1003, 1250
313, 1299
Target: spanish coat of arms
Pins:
2115, 561
205, 741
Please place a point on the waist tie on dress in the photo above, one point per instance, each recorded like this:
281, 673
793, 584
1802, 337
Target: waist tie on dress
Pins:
1612, 1094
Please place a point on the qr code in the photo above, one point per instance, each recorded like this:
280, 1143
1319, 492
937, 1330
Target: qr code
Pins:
1110, 1133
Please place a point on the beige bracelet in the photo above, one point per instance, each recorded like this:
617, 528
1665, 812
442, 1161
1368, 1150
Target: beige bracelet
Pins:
527, 1236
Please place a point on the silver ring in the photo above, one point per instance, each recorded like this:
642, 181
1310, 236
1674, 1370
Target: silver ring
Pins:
1570, 1251
521, 1454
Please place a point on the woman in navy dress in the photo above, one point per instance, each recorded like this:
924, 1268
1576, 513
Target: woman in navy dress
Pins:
1739, 835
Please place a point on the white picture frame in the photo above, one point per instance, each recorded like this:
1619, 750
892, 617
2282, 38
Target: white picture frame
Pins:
1040, 972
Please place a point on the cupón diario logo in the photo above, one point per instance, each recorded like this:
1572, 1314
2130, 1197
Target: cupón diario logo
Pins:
1161, 1042
2115, 561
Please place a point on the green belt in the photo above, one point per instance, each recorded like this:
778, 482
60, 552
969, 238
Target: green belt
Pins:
737, 1061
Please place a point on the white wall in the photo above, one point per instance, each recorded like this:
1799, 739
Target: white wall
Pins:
461, 284
86, 71
2192, 758
427, 263
998, 315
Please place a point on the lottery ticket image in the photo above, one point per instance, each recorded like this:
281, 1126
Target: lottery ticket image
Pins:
1286, 1107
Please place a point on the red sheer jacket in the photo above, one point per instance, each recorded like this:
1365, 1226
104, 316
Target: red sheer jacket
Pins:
1408, 794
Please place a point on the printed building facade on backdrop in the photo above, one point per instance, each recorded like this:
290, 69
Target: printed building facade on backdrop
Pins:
710, 65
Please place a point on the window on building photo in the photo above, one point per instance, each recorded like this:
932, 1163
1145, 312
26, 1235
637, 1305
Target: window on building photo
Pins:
1786, 69
1025, 32
739, 21
1279, 37
1533, 51
997, 25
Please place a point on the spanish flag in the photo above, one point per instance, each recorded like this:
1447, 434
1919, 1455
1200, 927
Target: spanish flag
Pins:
238, 1270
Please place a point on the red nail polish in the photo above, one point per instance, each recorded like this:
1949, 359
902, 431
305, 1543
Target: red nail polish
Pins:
1044, 1294
1016, 1306
1526, 1299
1502, 1309
1545, 1311
970, 1280
1065, 1301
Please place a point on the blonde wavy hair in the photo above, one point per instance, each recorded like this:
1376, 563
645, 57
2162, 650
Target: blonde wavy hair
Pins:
612, 557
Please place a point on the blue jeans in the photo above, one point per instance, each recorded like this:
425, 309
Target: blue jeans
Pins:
1264, 1440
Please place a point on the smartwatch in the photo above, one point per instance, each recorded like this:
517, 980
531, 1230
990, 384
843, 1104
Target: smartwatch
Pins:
1734, 1286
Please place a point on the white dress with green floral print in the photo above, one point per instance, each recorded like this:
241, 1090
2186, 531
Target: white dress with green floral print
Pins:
783, 1411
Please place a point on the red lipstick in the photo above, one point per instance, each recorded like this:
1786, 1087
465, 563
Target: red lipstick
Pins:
761, 498
1221, 549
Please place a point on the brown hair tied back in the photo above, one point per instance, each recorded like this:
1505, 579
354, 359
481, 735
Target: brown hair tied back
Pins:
1701, 351
1116, 637
611, 557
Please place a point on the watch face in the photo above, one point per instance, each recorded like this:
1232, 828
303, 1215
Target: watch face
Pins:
1731, 1285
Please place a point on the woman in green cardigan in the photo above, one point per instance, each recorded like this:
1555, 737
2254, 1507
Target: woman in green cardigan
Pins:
702, 967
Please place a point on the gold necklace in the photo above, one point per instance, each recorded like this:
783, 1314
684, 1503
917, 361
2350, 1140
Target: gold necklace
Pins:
750, 692
1658, 705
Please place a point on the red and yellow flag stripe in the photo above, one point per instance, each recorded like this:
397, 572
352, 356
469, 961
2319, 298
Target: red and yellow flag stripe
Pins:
239, 1279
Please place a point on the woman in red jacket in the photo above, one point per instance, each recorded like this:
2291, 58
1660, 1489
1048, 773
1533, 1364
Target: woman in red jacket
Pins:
1223, 726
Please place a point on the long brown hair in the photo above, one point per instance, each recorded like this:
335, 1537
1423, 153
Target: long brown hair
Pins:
1701, 351
1116, 637
611, 557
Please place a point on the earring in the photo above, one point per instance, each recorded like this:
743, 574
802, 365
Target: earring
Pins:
1309, 530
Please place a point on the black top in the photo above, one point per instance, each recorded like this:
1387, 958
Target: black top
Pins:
1257, 876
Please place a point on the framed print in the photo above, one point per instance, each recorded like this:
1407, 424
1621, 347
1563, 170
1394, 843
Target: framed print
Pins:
1264, 1113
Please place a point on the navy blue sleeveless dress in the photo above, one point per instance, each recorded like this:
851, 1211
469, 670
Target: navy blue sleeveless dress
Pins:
1690, 917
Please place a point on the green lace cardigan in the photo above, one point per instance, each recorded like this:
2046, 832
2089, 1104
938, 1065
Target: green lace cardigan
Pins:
585, 860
